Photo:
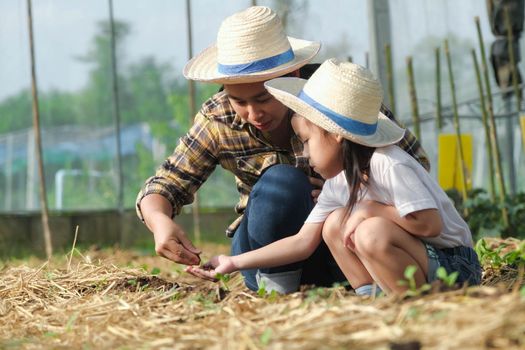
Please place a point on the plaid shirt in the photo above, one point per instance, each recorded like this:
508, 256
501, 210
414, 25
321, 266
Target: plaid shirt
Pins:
220, 137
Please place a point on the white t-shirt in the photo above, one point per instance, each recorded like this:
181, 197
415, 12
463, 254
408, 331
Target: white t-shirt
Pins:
398, 180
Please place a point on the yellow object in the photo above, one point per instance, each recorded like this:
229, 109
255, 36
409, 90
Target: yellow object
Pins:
449, 163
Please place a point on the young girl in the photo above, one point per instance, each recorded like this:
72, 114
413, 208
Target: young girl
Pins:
379, 210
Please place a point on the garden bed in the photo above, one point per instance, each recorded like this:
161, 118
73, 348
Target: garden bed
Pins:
107, 299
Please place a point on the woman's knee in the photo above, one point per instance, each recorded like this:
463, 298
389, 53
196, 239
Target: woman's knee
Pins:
332, 226
279, 204
282, 182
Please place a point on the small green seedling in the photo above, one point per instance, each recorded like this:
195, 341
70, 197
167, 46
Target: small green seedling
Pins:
266, 336
155, 271
262, 289
224, 279
448, 279
410, 282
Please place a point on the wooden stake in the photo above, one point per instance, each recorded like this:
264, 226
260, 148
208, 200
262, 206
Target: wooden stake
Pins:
413, 98
191, 99
493, 131
486, 127
390, 78
463, 168
439, 117
510, 46
38, 140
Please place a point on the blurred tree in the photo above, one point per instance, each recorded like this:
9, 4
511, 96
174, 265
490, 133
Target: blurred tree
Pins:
15, 112
95, 100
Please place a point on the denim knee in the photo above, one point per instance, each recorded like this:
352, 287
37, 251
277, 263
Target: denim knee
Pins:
279, 204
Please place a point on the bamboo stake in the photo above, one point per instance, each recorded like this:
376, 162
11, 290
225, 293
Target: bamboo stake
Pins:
513, 67
439, 117
390, 78
463, 168
488, 143
493, 130
413, 98
116, 111
191, 95
38, 140
510, 46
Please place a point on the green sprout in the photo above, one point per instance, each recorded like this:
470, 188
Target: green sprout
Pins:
223, 279
266, 336
410, 282
448, 279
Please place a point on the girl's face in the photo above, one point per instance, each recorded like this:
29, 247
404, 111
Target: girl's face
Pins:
323, 149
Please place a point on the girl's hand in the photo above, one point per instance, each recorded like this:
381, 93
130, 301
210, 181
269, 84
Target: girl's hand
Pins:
349, 229
222, 264
317, 185
363, 210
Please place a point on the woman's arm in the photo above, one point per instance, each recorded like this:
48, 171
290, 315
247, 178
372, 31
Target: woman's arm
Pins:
282, 252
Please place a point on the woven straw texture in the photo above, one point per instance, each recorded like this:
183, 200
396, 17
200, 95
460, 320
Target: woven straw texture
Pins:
346, 89
248, 36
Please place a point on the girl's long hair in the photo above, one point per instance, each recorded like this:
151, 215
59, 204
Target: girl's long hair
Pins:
356, 164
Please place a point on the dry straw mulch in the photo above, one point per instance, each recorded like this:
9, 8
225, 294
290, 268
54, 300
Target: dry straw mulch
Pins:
110, 300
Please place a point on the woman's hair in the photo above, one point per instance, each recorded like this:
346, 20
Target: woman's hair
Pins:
356, 163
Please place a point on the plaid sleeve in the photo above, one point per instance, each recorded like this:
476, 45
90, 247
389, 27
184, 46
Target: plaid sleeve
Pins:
409, 143
186, 169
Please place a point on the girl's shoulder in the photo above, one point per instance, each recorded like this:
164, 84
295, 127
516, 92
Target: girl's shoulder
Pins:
385, 158
389, 155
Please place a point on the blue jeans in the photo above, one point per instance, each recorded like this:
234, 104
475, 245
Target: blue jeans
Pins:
464, 260
279, 204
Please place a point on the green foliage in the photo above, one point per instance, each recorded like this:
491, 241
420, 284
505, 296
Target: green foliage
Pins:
223, 280
485, 219
410, 283
149, 92
266, 336
448, 279
494, 256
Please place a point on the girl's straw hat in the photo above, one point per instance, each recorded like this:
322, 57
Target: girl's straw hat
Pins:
342, 98
251, 47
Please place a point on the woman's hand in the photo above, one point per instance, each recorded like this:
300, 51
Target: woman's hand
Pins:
222, 264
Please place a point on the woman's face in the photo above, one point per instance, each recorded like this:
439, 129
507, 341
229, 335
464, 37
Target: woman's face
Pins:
254, 104
323, 149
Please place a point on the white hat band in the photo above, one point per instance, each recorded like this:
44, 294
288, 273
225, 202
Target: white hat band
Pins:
257, 66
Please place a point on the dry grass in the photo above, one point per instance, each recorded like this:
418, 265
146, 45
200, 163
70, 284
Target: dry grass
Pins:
101, 301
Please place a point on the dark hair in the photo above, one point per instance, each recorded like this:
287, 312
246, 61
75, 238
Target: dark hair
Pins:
356, 164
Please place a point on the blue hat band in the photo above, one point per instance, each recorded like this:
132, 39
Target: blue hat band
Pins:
257, 66
350, 125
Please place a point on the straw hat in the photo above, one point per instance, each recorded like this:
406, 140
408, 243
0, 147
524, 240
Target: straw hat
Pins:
342, 98
251, 47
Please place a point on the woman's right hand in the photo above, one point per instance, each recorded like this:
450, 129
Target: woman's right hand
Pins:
222, 264
172, 243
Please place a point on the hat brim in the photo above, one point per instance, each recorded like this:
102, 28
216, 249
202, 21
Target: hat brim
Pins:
286, 91
203, 67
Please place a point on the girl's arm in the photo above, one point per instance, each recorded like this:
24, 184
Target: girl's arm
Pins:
282, 252
422, 223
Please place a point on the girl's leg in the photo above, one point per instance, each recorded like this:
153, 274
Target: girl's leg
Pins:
348, 262
386, 250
